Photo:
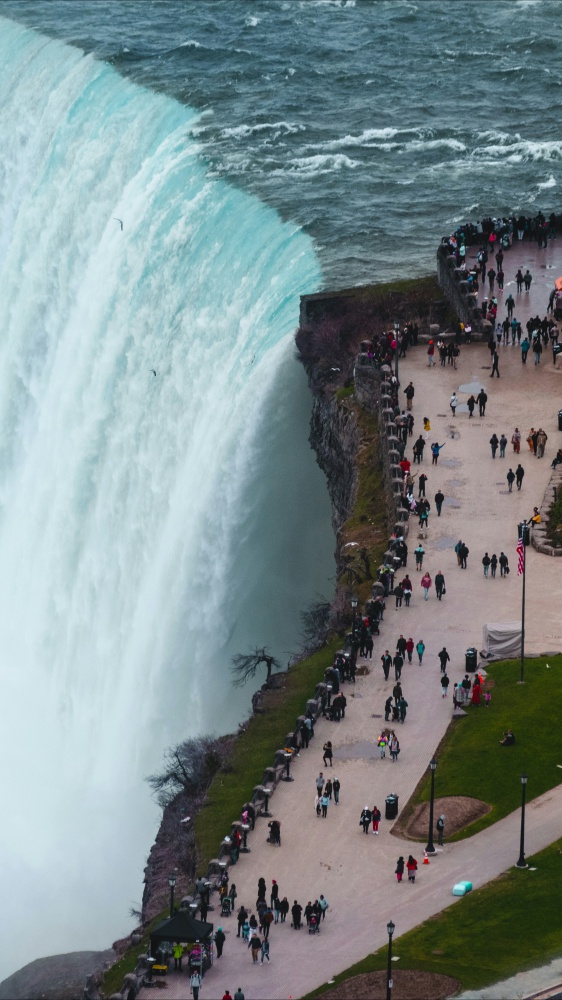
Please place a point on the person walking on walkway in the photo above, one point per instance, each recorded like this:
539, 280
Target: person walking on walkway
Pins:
399, 594
510, 480
486, 563
519, 473
493, 564
394, 749
399, 870
537, 350
519, 280
516, 440
239, 995
439, 585
453, 402
265, 950
542, 438
525, 348
444, 659
409, 392
296, 913
324, 802
532, 440
407, 588
444, 685
386, 661
419, 553
503, 445
426, 584
195, 984
482, 399
320, 783
419, 445
527, 279
510, 305
494, 442
439, 498
495, 364
328, 753
402, 708
365, 819
504, 564
430, 353
220, 938
376, 814
397, 692
420, 650
398, 662
435, 449
410, 649
440, 829
421, 484
464, 555
412, 867
336, 785
471, 403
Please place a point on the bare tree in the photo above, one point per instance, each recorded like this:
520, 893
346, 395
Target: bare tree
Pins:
245, 665
188, 767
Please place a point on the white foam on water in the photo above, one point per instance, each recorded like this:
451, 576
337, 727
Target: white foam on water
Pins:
126, 500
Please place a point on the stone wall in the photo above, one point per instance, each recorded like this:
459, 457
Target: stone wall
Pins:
455, 289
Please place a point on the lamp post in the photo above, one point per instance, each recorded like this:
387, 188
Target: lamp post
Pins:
521, 863
172, 884
354, 603
430, 846
390, 929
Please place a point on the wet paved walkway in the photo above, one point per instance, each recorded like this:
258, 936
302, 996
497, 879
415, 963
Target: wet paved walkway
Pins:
332, 856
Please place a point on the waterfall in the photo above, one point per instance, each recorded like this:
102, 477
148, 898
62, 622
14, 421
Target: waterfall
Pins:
133, 531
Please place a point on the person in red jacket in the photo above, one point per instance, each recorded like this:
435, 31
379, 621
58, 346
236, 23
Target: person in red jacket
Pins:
412, 867
376, 819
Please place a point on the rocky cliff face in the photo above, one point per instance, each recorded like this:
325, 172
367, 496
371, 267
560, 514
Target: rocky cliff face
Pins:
334, 436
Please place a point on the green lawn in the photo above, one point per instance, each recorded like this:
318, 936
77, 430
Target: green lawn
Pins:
512, 924
470, 759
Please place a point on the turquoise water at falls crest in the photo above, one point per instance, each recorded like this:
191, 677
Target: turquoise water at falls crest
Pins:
129, 502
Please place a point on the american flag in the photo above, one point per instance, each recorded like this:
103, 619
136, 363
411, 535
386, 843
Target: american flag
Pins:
520, 557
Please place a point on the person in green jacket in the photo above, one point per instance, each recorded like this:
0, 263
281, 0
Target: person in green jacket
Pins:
420, 650
178, 955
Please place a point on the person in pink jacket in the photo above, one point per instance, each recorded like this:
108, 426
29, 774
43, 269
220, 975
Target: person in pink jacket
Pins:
426, 584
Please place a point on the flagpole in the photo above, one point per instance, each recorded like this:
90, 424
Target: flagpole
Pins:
524, 557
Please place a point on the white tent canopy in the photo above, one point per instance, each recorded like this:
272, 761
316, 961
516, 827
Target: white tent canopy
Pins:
502, 640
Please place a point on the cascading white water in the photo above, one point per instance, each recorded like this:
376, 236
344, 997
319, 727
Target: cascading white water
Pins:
127, 500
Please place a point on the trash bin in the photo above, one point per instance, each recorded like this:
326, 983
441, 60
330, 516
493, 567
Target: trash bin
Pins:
556, 350
560, 418
391, 810
471, 659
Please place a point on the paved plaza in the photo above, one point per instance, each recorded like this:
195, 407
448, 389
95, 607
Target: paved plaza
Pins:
332, 856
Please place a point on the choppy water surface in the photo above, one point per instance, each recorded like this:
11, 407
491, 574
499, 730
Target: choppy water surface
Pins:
375, 125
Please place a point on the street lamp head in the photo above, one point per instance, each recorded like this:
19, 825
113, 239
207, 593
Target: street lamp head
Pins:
354, 602
171, 881
523, 779
390, 928
433, 764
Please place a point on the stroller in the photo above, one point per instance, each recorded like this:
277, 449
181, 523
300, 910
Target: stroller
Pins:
226, 908
314, 925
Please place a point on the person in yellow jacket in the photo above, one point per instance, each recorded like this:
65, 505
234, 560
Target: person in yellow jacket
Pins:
178, 955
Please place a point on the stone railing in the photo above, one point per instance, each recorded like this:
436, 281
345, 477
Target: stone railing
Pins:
539, 541
452, 280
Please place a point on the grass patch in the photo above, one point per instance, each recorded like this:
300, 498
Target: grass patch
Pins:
470, 760
509, 925
367, 524
345, 392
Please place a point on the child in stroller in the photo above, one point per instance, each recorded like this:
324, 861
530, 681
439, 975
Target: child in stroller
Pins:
314, 924
226, 908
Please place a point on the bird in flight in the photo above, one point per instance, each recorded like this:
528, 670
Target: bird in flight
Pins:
153, 372
120, 221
